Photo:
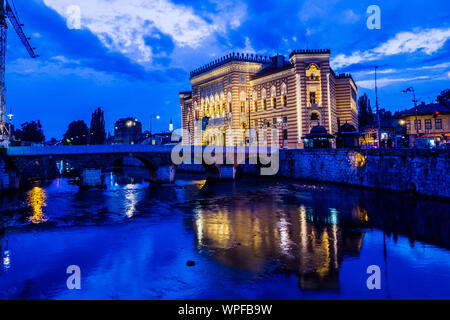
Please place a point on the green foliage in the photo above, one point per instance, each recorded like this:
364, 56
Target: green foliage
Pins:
97, 131
365, 115
31, 132
444, 97
77, 134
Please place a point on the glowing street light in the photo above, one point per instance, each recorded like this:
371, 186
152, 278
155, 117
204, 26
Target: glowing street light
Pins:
153, 116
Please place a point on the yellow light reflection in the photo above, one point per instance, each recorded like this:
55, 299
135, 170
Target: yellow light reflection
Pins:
131, 199
36, 201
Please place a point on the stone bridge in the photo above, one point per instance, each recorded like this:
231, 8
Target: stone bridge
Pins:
90, 161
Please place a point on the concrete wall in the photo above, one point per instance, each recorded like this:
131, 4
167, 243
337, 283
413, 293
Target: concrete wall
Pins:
428, 172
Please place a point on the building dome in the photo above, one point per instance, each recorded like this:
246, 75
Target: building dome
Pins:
346, 128
318, 130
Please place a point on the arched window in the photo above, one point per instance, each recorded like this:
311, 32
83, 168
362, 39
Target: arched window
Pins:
273, 91
263, 97
315, 116
283, 95
242, 97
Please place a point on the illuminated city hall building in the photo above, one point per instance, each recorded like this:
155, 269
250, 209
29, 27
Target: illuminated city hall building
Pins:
245, 94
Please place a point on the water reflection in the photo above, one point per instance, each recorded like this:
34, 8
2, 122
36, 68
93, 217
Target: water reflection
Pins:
249, 236
36, 200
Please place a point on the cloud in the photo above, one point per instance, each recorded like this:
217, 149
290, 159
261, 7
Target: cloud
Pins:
383, 82
427, 41
350, 16
440, 66
123, 26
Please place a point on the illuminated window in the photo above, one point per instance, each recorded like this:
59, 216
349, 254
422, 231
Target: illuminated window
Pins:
284, 101
242, 106
255, 105
418, 124
265, 104
312, 98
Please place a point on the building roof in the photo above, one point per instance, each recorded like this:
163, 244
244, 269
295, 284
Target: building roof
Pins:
347, 128
424, 109
272, 71
229, 58
318, 132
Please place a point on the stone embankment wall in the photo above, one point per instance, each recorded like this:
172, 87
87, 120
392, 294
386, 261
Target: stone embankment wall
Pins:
425, 172
8, 179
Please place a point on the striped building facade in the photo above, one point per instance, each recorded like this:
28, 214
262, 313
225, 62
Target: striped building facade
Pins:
235, 98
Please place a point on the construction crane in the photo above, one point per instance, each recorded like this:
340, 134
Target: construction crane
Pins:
7, 13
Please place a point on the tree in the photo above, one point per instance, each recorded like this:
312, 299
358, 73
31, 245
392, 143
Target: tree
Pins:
365, 115
31, 132
97, 131
444, 97
76, 134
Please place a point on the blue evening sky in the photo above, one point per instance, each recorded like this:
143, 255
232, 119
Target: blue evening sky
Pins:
132, 57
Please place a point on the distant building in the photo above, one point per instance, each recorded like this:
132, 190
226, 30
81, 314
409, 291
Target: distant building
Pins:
432, 124
127, 131
240, 92
392, 134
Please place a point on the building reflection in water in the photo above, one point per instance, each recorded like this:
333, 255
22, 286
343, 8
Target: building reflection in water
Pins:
252, 237
36, 200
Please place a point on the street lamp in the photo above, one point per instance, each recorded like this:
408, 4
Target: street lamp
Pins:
378, 113
153, 116
416, 125
249, 111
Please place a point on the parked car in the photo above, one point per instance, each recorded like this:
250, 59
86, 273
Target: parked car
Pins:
443, 146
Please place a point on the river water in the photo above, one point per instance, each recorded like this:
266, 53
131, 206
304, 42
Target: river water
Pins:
249, 239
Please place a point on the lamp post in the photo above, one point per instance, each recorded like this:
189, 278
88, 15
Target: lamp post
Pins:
249, 111
10, 116
378, 113
416, 125
153, 116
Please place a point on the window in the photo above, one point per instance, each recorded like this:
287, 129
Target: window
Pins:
285, 134
285, 120
242, 106
274, 121
265, 104
312, 98
274, 103
242, 78
418, 124
284, 101
256, 106
408, 125
315, 116
438, 123
427, 123
229, 108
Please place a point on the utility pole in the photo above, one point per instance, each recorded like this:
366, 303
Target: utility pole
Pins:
249, 110
378, 113
416, 124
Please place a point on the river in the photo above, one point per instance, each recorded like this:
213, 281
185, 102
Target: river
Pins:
253, 238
